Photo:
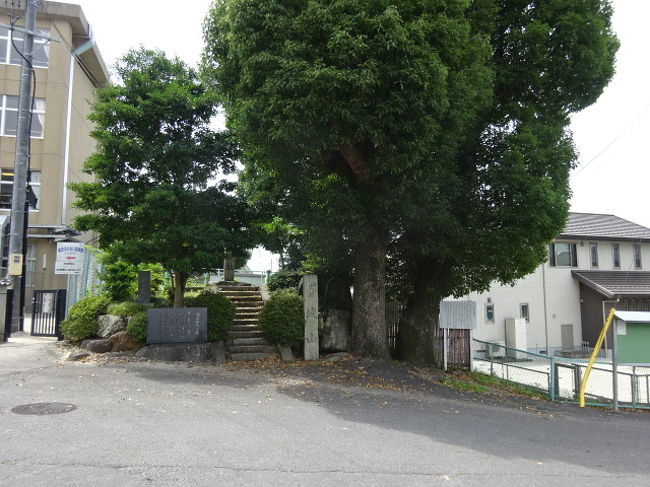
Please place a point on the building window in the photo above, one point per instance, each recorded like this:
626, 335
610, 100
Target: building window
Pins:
637, 256
524, 312
9, 116
563, 254
489, 313
7, 184
616, 256
593, 253
8, 54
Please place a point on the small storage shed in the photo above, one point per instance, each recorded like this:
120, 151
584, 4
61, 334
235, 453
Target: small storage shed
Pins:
632, 330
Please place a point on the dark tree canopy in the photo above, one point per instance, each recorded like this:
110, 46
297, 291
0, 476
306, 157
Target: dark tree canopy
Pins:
434, 131
153, 199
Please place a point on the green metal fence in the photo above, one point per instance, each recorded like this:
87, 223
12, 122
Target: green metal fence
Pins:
560, 377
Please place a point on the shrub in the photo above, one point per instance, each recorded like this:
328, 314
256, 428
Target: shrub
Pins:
284, 280
81, 321
137, 326
221, 312
282, 319
126, 309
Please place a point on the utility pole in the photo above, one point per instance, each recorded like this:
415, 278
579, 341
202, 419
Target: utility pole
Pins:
19, 211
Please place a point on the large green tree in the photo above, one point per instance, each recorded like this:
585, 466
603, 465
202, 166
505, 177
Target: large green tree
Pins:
357, 91
435, 129
155, 198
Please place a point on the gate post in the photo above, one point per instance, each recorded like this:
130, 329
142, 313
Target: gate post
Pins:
5, 315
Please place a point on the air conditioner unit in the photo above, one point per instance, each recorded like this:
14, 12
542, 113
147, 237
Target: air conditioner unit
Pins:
495, 350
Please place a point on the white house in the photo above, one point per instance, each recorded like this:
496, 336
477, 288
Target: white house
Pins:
598, 262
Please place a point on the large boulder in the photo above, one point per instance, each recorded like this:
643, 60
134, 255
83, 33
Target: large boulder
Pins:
108, 325
335, 330
124, 343
100, 345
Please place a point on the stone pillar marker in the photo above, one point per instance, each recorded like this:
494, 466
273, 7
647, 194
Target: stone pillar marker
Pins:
144, 287
310, 297
229, 267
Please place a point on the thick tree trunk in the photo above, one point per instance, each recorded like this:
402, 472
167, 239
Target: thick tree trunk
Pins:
369, 334
417, 328
180, 279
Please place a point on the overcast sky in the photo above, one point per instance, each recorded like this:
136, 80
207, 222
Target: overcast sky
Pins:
611, 136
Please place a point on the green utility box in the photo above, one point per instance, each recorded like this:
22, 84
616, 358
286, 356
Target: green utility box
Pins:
632, 330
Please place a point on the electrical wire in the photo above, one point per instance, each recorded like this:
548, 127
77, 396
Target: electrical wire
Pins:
611, 142
80, 61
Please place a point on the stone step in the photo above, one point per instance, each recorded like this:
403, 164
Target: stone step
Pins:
248, 304
237, 342
229, 287
252, 349
247, 310
235, 335
245, 327
252, 321
251, 356
242, 292
246, 299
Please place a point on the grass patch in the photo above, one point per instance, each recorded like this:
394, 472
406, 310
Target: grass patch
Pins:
489, 384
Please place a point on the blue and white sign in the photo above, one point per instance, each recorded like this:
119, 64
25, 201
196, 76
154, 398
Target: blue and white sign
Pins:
69, 257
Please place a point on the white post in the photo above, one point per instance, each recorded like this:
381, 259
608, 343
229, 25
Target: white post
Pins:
445, 346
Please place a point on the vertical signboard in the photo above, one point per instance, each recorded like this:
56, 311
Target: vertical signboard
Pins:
69, 257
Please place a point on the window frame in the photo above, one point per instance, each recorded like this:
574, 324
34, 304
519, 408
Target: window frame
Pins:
593, 255
35, 185
4, 109
616, 256
20, 39
573, 255
488, 307
636, 256
525, 315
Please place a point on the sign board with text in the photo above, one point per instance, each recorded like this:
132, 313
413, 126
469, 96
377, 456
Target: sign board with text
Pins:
177, 325
69, 257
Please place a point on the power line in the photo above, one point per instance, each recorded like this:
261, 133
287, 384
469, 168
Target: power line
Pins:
80, 61
611, 142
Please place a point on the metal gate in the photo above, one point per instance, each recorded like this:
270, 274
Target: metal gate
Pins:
6, 298
48, 312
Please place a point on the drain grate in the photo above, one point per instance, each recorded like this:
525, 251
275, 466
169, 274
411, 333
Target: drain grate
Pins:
42, 408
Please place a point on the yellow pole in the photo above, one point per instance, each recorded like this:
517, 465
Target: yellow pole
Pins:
599, 343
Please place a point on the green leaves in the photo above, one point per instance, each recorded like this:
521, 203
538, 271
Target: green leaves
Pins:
155, 198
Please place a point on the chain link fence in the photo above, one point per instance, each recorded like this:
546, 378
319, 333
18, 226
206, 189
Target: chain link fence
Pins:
560, 378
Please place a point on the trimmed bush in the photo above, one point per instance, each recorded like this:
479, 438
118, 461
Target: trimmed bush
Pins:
221, 312
282, 319
81, 321
284, 280
137, 326
126, 309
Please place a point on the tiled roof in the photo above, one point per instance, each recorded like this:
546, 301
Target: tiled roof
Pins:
616, 283
607, 227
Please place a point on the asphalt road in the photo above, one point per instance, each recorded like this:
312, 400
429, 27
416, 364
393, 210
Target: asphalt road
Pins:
144, 424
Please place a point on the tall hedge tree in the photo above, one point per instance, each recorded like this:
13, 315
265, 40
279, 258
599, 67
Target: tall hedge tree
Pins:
416, 112
154, 199
359, 90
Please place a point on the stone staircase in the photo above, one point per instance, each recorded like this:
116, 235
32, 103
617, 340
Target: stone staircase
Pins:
245, 341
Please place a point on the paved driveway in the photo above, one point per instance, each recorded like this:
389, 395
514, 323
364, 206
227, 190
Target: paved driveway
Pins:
145, 424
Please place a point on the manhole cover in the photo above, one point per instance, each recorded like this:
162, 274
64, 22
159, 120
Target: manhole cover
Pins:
41, 408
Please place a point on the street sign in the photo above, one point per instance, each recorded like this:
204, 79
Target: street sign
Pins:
69, 258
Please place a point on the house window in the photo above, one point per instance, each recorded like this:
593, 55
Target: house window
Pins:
637, 256
616, 256
7, 184
489, 313
593, 253
9, 116
563, 254
8, 55
523, 312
